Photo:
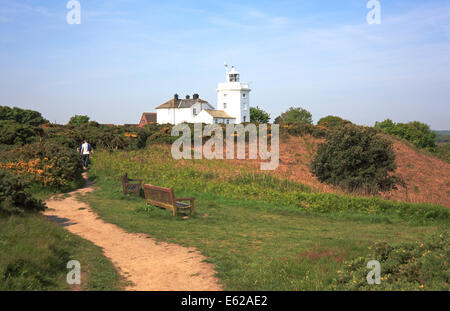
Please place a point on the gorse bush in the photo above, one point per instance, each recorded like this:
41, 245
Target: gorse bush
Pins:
302, 129
46, 163
13, 196
443, 152
415, 132
14, 133
332, 121
25, 117
356, 159
421, 265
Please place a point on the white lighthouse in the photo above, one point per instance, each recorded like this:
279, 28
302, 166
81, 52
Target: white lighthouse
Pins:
233, 96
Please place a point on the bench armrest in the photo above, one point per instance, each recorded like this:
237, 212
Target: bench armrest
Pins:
185, 199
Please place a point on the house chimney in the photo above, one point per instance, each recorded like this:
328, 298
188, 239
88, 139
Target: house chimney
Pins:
188, 97
195, 96
175, 97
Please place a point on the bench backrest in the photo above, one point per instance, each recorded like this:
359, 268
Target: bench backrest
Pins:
124, 179
159, 196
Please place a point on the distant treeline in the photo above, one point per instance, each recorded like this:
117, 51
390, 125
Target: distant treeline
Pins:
442, 137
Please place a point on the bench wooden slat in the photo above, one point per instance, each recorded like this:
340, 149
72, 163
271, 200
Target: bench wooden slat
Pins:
164, 197
128, 187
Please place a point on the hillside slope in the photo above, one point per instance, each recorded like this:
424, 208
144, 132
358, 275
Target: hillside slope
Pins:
427, 178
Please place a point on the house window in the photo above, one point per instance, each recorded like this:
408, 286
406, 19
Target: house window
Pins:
224, 105
228, 121
243, 95
245, 119
215, 121
194, 111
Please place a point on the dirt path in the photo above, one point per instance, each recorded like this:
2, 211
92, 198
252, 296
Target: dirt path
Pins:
148, 265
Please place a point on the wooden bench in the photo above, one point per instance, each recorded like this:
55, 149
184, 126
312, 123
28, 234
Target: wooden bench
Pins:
164, 197
129, 187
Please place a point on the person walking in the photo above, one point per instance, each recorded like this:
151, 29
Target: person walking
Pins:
85, 150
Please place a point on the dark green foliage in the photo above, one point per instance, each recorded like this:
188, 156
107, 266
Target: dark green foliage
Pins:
77, 120
407, 266
259, 115
13, 197
301, 129
14, 133
332, 121
415, 132
443, 151
98, 135
294, 115
356, 159
25, 117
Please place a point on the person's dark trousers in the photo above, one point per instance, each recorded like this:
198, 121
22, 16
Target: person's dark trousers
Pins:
85, 158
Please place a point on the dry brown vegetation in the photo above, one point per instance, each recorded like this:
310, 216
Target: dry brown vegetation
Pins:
427, 178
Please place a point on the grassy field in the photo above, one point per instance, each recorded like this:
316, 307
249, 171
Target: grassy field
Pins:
35, 252
260, 232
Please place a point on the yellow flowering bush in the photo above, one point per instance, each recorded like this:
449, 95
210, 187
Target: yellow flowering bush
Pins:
422, 265
46, 163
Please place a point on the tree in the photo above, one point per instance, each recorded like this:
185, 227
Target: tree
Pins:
295, 115
79, 120
332, 121
259, 115
356, 158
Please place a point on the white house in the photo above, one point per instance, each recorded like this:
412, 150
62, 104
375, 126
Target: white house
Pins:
232, 101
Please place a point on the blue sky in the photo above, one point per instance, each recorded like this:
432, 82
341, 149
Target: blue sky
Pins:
128, 56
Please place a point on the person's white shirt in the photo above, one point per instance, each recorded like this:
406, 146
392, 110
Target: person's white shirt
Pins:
85, 148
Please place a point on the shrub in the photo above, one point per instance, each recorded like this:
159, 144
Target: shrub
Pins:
294, 115
98, 135
13, 197
25, 117
14, 133
161, 134
443, 151
408, 266
301, 129
356, 158
332, 121
46, 163
259, 115
77, 120
415, 132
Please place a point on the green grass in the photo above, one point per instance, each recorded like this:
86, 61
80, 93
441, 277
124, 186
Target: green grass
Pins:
255, 244
35, 251
43, 193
